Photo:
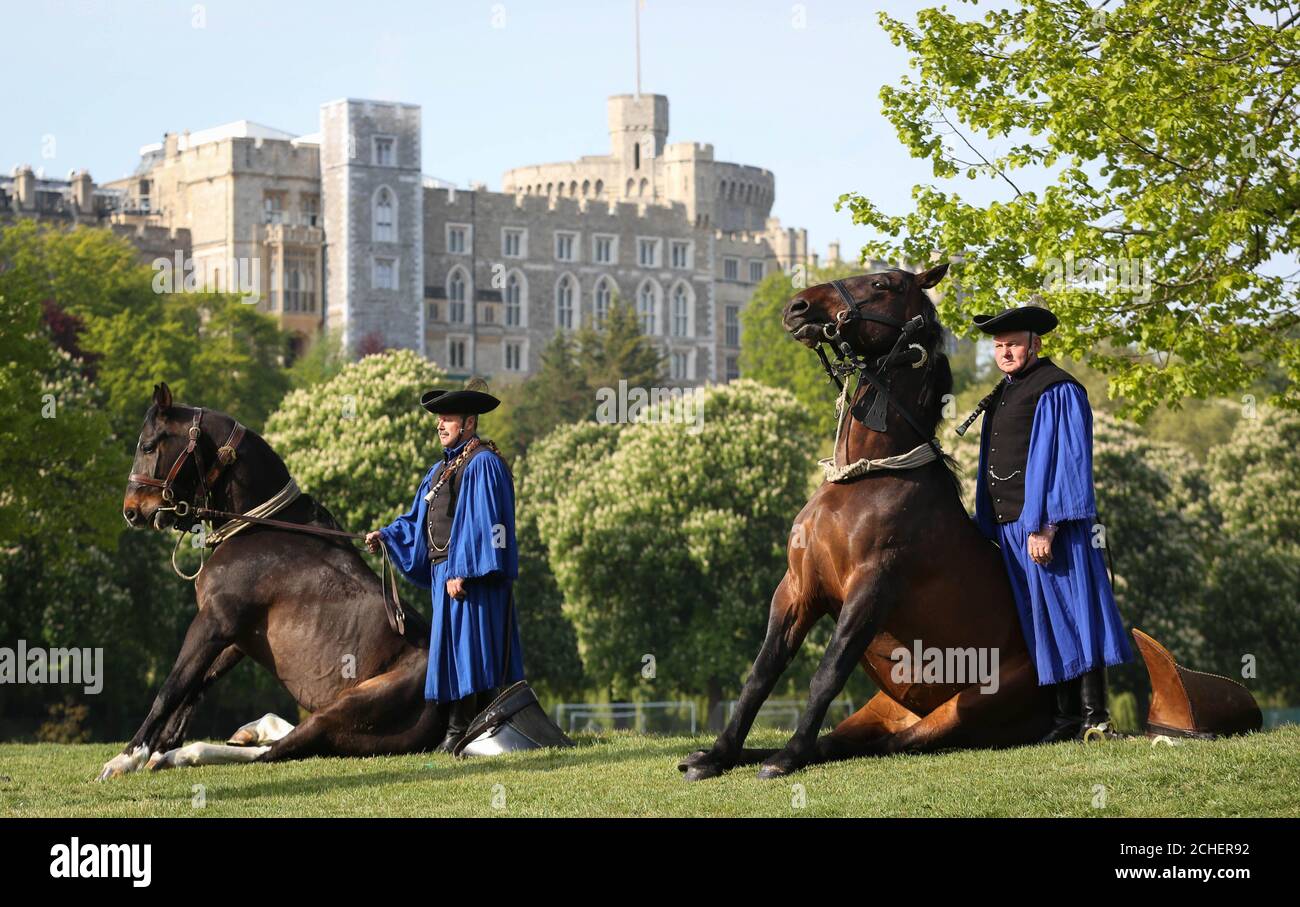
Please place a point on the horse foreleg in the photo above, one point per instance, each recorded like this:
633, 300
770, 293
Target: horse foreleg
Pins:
787, 624
205, 754
857, 623
173, 733
205, 640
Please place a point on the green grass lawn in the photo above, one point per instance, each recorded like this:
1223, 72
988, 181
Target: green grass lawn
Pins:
629, 775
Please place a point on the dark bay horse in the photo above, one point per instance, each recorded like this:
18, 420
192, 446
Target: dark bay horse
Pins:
307, 608
892, 557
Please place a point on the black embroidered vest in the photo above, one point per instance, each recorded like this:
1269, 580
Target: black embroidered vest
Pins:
1011, 420
442, 509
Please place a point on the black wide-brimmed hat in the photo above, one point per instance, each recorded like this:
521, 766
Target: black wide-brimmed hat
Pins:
1025, 318
473, 400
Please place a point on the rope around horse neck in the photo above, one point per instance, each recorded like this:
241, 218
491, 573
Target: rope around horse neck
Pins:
918, 456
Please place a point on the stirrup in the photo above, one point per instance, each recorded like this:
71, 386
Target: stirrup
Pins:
1102, 732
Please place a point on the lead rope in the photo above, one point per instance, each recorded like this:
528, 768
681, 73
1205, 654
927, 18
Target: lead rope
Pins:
181, 534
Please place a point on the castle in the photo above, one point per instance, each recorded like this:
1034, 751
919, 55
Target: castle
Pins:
347, 234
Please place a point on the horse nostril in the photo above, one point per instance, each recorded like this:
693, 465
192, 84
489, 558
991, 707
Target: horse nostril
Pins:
798, 307
129, 513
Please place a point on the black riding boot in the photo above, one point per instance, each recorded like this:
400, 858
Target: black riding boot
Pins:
1096, 717
485, 699
462, 712
1067, 721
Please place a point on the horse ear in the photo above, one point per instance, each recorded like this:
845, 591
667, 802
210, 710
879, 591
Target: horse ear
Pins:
931, 277
162, 396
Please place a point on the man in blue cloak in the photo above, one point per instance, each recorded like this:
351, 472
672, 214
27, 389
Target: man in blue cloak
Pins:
1035, 499
458, 541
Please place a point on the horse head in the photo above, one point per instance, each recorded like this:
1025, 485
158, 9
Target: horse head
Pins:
175, 463
866, 312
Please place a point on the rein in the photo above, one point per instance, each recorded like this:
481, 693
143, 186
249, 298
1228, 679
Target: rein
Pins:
387, 579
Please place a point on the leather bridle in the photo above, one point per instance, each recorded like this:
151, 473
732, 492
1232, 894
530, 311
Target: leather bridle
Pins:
206, 478
200, 510
877, 372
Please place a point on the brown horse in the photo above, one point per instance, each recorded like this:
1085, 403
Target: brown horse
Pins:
307, 608
892, 557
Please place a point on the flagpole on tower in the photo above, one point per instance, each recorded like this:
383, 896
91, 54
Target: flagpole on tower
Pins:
636, 7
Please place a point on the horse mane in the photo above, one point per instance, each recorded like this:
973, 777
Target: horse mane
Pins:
938, 386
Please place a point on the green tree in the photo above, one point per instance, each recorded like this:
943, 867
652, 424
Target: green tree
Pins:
574, 367
666, 537
211, 349
60, 470
1254, 580
618, 351
1166, 136
322, 362
555, 395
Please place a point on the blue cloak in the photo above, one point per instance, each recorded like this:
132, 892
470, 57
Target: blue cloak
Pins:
467, 637
1067, 608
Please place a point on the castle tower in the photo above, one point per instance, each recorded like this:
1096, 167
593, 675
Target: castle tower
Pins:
372, 197
638, 129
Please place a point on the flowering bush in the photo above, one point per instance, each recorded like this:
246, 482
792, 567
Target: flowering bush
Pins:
361, 442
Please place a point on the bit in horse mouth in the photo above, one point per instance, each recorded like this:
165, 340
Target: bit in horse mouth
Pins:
809, 334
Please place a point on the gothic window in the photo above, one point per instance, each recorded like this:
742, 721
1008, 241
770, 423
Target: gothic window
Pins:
384, 204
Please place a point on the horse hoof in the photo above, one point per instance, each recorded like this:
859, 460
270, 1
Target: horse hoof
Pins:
702, 772
700, 765
695, 758
768, 772
123, 763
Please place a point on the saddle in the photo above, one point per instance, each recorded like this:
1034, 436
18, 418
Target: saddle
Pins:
1187, 703
513, 722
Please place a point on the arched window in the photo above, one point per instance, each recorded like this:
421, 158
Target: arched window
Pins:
457, 293
600, 187
645, 184
385, 231
514, 297
586, 188
681, 311
631, 186
604, 298
647, 300
564, 302
573, 188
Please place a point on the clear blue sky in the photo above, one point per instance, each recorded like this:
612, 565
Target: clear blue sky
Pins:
104, 78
